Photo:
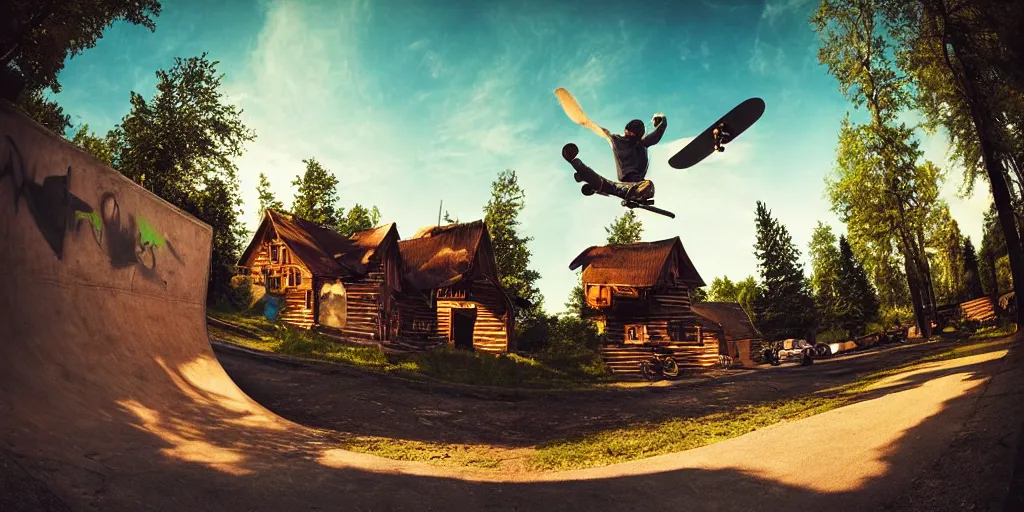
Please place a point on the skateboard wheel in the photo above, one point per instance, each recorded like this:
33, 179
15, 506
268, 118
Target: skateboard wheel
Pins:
576, 176
587, 190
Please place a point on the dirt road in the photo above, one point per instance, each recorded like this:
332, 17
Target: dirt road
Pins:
351, 401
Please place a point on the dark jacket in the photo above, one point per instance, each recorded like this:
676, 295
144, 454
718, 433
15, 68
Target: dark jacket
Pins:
631, 160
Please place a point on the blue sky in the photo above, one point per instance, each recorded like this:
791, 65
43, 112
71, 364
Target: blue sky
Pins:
413, 102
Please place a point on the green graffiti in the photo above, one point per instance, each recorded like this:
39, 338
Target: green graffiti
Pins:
148, 235
92, 217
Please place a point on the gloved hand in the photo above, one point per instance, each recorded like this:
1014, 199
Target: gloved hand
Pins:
658, 119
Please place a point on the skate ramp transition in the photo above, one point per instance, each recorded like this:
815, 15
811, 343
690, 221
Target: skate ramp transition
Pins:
111, 397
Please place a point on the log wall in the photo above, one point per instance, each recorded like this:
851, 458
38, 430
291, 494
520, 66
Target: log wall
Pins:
664, 313
656, 308
294, 311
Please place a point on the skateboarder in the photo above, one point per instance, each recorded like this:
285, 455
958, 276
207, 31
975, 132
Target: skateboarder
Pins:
631, 162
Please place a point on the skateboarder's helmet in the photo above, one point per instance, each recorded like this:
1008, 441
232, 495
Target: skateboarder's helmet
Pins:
636, 127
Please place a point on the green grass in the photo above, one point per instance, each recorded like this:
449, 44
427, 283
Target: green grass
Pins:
561, 370
416, 451
651, 439
994, 332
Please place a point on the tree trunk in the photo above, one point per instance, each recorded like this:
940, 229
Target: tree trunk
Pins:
923, 325
982, 114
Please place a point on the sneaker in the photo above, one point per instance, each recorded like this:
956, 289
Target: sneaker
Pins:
643, 191
570, 151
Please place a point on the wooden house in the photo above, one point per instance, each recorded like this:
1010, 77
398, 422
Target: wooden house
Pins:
452, 293
345, 285
641, 293
727, 325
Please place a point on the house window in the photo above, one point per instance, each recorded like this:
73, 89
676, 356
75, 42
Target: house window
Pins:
298, 277
636, 333
274, 255
599, 296
291, 277
309, 299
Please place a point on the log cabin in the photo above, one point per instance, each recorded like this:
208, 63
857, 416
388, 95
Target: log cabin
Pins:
641, 294
342, 285
452, 292
727, 325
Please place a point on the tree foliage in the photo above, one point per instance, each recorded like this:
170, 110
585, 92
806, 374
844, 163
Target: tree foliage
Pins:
857, 303
964, 58
882, 190
316, 198
181, 145
501, 215
265, 196
103, 149
945, 239
359, 219
783, 308
825, 275
46, 112
626, 229
38, 37
972, 272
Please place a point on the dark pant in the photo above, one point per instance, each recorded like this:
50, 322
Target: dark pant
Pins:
620, 187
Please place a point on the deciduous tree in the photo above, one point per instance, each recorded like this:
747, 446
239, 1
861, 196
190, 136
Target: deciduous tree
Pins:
316, 197
267, 199
181, 145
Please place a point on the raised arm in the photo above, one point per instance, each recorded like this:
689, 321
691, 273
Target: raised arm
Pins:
601, 132
659, 130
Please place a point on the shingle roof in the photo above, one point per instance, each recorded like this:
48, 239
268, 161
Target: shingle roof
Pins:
730, 316
440, 255
639, 264
324, 251
364, 247
311, 243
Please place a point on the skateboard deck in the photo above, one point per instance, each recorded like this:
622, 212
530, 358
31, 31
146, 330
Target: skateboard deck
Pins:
737, 121
594, 183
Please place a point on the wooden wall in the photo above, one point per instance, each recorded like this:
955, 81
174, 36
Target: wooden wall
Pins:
655, 308
490, 330
293, 310
490, 333
663, 311
364, 304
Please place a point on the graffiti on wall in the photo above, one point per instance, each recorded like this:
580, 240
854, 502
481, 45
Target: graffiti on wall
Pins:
127, 241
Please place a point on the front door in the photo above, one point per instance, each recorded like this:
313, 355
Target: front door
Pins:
463, 320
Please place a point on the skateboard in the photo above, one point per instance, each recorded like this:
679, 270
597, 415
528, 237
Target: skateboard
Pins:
594, 183
720, 133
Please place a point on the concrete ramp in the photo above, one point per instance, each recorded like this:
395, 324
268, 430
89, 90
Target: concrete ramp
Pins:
104, 356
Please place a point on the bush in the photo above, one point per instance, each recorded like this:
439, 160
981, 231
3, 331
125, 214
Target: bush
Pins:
832, 336
241, 296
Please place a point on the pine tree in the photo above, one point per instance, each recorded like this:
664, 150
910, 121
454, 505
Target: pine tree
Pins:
317, 196
825, 264
266, 197
501, 215
784, 307
972, 275
857, 303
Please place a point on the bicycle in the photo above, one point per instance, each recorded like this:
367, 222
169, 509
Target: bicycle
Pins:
660, 364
